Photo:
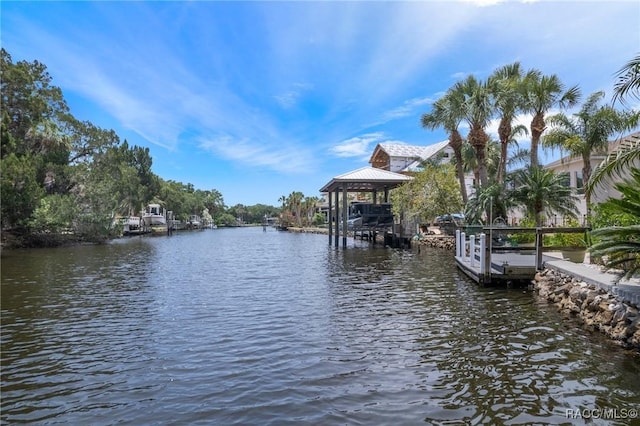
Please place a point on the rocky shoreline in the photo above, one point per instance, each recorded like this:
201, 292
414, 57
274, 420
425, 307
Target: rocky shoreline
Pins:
595, 307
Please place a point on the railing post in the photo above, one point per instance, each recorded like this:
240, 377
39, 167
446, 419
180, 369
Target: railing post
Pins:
483, 253
472, 250
463, 246
539, 239
458, 245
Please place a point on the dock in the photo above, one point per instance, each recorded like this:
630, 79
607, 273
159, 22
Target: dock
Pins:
477, 257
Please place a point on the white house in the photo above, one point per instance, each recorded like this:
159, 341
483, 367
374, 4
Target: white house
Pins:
573, 166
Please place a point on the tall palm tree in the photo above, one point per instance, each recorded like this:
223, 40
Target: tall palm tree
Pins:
540, 190
628, 82
541, 93
478, 110
448, 113
588, 132
505, 84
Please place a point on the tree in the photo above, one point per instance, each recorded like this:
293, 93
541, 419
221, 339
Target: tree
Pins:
619, 246
540, 190
505, 86
541, 93
588, 132
628, 81
433, 191
33, 109
448, 113
20, 192
478, 110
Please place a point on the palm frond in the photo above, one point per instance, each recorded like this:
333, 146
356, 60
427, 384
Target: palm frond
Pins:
617, 162
628, 81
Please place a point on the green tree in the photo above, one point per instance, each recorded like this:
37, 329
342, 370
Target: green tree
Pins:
619, 246
504, 85
33, 110
433, 191
540, 190
541, 93
478, 109
20, 191
448, 113
587, 132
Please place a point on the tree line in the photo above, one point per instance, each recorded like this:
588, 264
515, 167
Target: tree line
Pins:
63, 178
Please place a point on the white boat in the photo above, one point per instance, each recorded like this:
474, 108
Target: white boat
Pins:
194, 222
132, 225
154, 215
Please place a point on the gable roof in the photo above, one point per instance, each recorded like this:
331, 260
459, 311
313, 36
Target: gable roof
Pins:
366, 179
409, 151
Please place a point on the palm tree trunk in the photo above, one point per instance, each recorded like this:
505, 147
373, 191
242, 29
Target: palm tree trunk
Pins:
586, 176
478, 139
455, 141
504, 132
537, 127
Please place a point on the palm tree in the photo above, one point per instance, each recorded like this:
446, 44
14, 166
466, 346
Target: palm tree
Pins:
540, 190
628, 81
478, 109
294, 202
505, 84
448, 113
588, 132
620, 245
540, 94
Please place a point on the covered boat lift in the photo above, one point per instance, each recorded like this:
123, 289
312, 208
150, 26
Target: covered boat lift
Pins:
365, 179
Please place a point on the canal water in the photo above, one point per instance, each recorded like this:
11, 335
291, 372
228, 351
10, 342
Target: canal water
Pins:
241, 326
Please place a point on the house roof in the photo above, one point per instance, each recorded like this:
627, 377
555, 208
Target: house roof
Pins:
366, 179
409, 151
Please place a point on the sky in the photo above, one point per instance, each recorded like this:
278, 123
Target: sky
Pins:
261, 99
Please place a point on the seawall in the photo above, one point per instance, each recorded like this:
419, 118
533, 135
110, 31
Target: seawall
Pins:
596, 306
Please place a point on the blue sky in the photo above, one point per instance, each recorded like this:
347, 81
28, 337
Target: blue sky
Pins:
260, 99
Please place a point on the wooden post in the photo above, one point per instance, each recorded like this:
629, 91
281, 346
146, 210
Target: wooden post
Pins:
539, 248
458, 243
345, 215
472, 250
483, 254
337, 224
330, 223
463, 246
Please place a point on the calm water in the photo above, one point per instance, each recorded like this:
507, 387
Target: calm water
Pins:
242, 326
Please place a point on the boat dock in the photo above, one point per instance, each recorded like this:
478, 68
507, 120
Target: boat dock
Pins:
485, 263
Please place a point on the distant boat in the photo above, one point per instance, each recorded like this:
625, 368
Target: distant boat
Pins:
132, 225
194, 222
154, 216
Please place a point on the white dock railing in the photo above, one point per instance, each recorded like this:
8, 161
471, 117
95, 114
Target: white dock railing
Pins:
468, 249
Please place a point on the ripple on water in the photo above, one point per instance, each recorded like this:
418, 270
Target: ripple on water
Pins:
251, 327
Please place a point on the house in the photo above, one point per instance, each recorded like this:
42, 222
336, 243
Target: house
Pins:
573, 166
405, 159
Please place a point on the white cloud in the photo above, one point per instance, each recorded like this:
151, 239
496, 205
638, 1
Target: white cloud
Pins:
407, 108
358, 146
290, 97
255, 154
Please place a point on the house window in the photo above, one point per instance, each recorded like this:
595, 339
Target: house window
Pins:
579, 180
